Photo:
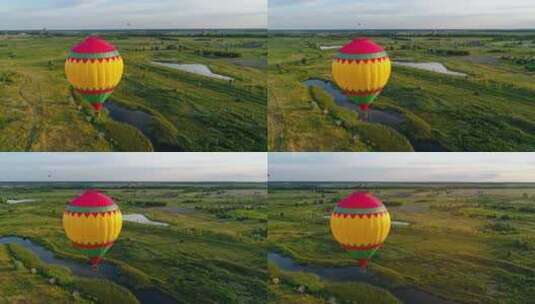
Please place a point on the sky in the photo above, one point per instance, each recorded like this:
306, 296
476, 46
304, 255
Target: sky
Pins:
402, 167
132, 14
401, 14
133, 167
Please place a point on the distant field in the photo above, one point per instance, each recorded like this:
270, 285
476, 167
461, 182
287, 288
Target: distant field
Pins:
492, 109
213, 250
186, 112
460, 245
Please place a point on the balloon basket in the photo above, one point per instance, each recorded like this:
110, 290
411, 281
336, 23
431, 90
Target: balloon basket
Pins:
95, 263
364, 111
98, 108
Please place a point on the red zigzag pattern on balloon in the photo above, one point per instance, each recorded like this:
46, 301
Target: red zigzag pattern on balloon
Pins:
93, 60
363, 93
87, 214
370, 215
359, 61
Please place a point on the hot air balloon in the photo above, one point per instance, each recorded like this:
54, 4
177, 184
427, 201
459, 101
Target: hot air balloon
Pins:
360, 223
361, 69
93, 222
94, 68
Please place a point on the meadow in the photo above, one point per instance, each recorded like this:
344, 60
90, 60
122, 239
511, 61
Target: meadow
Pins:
181, 111
449, 243
491, 109
212, 251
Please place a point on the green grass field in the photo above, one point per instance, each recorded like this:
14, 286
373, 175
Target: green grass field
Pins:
468, 244
188, 112
213, 250
492, 109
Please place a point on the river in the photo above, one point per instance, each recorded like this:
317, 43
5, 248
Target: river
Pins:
106, 271
354, 274
140, 120
388, 118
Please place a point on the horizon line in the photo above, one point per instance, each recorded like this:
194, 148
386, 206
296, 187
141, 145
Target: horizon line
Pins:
196, 182
408, 182
135, 29
402, 29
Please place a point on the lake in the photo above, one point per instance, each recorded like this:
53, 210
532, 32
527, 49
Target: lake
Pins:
199, 69
436, 67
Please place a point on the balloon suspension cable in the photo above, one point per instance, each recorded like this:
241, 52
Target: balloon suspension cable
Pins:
98, 108
95, 263
364, 111
363, 264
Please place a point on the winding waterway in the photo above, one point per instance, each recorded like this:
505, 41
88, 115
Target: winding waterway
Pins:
354, 274
388, 118
106, 271
140, 120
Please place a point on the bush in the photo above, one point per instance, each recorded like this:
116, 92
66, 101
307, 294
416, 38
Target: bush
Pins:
500, 227
18, 265
8, 77
416, 128
449, 52
136, 277
105, 292
30, 260
524, 244
393, 203
382, 138
527, 209
143, 204
215, 53
322, 98
126, 138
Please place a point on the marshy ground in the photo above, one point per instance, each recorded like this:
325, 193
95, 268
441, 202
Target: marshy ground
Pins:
213, 249
462, 244
491, 109
182, 111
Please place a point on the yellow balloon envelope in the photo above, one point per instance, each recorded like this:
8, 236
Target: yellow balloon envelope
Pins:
360, 223
361, 69
93, 223
94, 68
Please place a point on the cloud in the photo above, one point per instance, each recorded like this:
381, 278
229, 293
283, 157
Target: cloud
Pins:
394, 14
133, 167
107, 14
402, 167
